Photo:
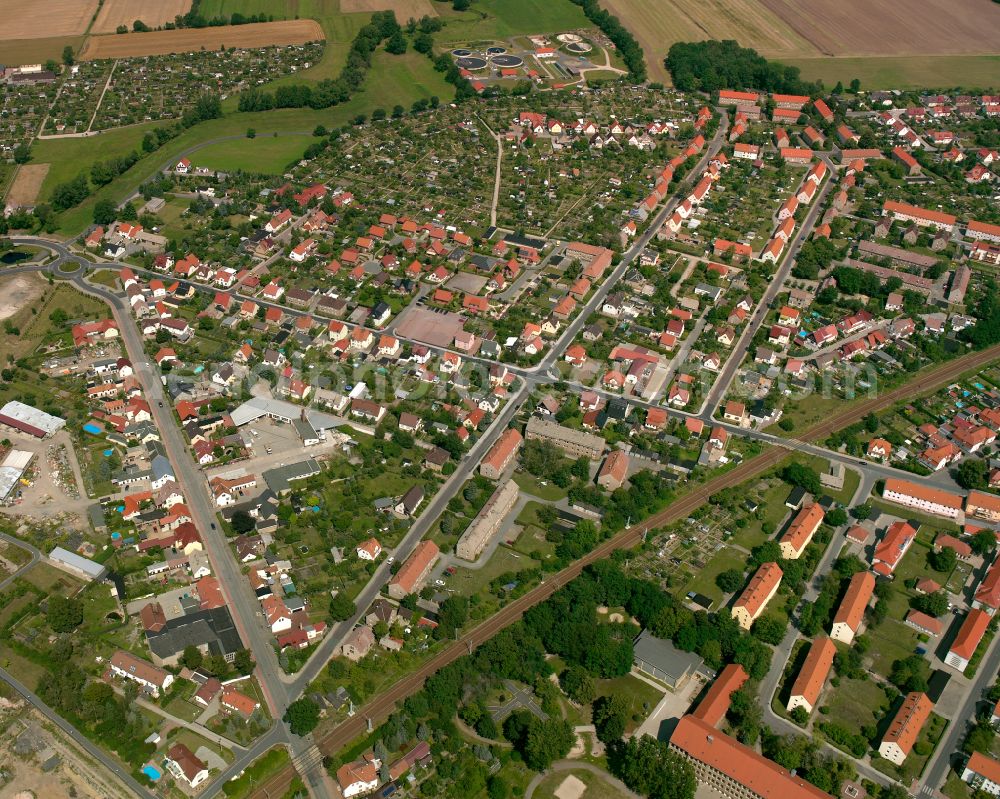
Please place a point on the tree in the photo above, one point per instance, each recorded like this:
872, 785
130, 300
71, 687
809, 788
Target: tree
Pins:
105, 212
578, 684
22, 154
302, 716
243, 522
341, 608
935, 604
836, 517
729, 581
648, 767
58, 317
971, 473
805, 477
64, 615
192, 657
800, 716
243, 662
909, 673
983, 542
546, 742
67, 56
251, 133
610, 716
396, 44
943, 560
769, 629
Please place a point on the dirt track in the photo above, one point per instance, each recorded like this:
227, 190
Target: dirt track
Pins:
260, 34
382, 705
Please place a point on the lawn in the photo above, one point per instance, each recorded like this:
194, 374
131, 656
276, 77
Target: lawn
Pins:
954, 788
501, 19
853, 702
642, 697
704, 581
530, 484
596, 786
904, 72
266, 154
193, 741
267, 764
467, 582
891, 640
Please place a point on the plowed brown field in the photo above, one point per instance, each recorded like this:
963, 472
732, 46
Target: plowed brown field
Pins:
888, 28
261, 34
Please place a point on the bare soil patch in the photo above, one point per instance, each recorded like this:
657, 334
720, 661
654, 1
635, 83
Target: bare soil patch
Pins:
876, 27
27, 184
404, 8
55, 18
125, 12
19, 292
260, 34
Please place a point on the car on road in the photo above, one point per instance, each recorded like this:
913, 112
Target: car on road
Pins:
161, 403
213, 525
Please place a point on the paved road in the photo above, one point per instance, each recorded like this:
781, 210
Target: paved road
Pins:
35, 557
94, 751
735, 359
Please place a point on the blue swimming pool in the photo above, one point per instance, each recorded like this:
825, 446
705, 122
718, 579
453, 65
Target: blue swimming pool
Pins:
152, 772
108, 453
115, 536
92, 428
980, 386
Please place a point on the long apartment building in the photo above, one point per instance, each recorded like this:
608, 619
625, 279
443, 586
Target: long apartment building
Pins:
923, 498
575, 443
816, 668
851, 611
488, 522
733, 770
905, 727
759, 591
801, 531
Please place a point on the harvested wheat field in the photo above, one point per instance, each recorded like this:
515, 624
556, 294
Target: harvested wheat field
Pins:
125, 12
404, 9
260, 34
889, 28
56, 18
657, 24
27, 183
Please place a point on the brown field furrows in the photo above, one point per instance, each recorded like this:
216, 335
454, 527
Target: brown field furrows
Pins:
26, 185
885, 27
404, 9
56, 18
186, 40
383, 704
125, 12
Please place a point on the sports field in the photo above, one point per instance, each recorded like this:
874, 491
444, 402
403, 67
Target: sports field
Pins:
186, 40
125, 12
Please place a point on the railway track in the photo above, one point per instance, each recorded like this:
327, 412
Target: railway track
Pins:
382, 705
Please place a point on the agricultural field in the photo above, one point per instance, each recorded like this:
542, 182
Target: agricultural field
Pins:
875, 27
124, 12
62, 18
404, 9
260, 34
903, 72
657, 24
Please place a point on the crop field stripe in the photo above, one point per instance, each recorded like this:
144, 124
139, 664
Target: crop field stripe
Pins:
184, 40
